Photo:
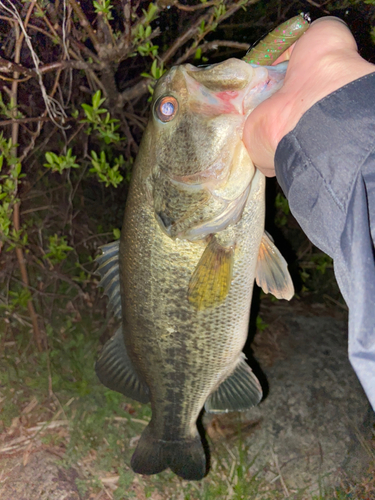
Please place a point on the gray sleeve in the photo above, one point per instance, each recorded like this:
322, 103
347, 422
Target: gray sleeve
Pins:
326, 168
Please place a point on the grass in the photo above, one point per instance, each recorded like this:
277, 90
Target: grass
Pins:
54, 400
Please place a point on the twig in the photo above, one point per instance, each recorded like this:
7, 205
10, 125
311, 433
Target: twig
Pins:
124, 419
85, 24
320, 6
9, 67
16, 208
192, 8
139, 121
53, 36
47, 22
208, 19
24, 120
221, 43
53, 107
131, 142
122, 50
138, 90
126, 6
22, 441
276, 462
34, 137
342, 306
186, 36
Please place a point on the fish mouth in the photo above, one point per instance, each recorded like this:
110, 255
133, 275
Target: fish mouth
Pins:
237, 84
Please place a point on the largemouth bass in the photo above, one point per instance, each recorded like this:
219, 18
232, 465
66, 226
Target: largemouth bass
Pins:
181, 278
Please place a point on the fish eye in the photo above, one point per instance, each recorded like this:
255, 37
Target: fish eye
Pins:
166, 108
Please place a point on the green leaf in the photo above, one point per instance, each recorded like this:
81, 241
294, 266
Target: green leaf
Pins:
154, 69
260, 324
96, 98
89, 112
18, 168
50, 158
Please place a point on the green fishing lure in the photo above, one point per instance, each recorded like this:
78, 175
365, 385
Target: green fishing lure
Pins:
265, 52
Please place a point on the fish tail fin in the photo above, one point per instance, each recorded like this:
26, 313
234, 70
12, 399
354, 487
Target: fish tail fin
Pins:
186, 458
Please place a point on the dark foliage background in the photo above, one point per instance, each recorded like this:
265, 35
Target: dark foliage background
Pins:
53, 218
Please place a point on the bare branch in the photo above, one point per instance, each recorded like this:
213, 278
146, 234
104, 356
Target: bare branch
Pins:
85, 24
126, 5
10, 67
192, 8
208, 19
137, 90
185, 37
16, 207
24, 120
53, 107
205, 47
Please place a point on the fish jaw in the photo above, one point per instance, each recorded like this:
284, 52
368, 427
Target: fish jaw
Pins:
252, 84
195, 194
270, 81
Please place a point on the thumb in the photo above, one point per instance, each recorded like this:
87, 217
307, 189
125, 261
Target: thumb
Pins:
260, 135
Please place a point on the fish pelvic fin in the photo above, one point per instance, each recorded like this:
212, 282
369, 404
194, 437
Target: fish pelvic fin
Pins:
115, 370
186, 458
211, 280
239, 392
110, 275
272, 273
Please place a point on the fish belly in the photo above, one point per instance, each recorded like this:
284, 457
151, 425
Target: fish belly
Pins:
182, 354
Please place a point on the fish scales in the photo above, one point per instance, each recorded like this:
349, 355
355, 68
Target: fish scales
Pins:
191, 245
166, 326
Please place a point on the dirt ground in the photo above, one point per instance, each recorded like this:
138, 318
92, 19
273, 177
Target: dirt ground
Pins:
313, 423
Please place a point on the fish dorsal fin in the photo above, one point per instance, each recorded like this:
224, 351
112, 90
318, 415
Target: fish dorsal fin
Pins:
211, 280
272, 273
110, 275
115, 370
240, 391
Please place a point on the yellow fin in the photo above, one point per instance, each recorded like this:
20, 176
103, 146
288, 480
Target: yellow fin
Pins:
272, 273
211, 280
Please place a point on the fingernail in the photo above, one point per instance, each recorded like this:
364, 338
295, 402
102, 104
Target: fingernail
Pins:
329, 18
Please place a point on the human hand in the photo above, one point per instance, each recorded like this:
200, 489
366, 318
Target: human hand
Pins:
324, 59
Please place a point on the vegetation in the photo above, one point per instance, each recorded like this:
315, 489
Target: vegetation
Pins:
75, 83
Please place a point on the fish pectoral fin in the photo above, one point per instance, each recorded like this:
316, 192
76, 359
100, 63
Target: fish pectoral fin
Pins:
211, 280
110, 275
240, 391
272, 273
115, 370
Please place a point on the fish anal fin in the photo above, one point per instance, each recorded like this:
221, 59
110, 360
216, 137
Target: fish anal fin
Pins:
211, 280
239, 392
272, 273
115, 370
